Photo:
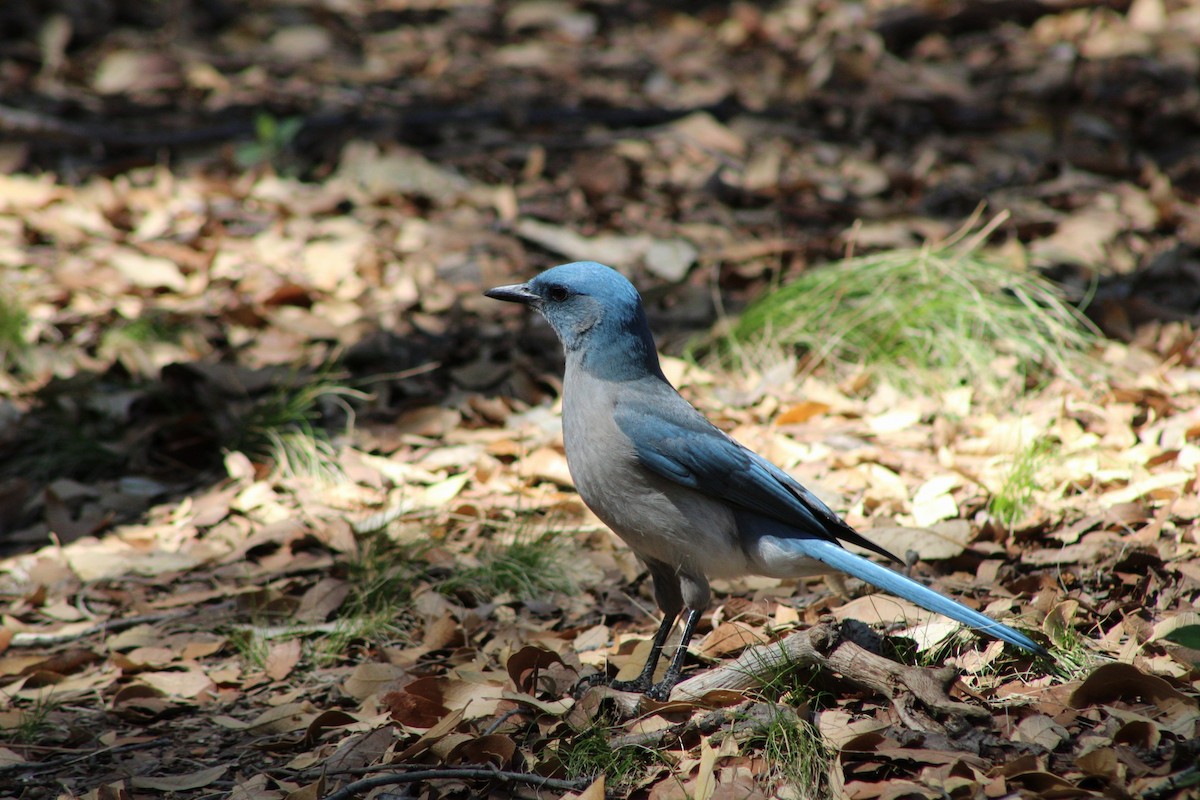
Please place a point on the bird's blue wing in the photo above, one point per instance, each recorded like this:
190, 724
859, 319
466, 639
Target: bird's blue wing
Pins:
674, 440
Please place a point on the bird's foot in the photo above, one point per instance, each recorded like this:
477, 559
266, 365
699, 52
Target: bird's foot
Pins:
661, 691
583, 684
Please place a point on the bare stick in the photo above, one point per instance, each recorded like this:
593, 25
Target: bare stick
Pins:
351, 790
824, 646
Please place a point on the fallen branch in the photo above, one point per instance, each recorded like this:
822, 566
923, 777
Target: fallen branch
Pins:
356, 788
90, 756
824, 646
51, 638
38, 639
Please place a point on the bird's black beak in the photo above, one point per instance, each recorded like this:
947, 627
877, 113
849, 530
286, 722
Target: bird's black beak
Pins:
515, 293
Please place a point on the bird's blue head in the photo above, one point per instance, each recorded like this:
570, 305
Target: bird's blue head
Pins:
597, 315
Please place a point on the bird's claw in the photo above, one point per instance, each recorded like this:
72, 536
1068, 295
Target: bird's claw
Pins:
661, 691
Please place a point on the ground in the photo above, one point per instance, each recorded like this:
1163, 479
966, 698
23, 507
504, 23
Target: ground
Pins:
283, 498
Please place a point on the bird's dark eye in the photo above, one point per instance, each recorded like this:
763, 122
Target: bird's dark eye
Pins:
557, 293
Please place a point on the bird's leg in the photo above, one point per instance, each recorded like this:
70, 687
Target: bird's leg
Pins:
662, 690
642, 682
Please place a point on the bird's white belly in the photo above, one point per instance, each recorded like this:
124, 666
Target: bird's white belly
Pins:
657, 518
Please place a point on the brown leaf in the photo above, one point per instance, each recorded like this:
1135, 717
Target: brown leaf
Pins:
281, 719
1124, 682
594, 791
326, 720
1102, 762
362, 749
937, 542
731, 637
414, 710
444, 726
371, 677
801, 412
442, 632
524, 666
495, 748
1041, 730
140, 702
282, 658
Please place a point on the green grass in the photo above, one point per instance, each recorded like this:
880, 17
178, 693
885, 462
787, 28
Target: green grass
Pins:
273, 139
145, 330
13, 322
922, 319
792, 747
526, 568
795, 753
282, 426
588, 755
303, 451
252, 649
1072, 659
789, 683
382, 576
33, 723
1012, 500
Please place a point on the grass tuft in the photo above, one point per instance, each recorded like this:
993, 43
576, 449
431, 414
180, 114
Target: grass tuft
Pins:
590, 754
13, 322
923, 319
32, 724
524, 569
1011, 502
382, 575
795, 753
282, 427
252, 649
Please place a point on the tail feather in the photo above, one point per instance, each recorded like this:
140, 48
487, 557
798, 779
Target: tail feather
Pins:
838, 557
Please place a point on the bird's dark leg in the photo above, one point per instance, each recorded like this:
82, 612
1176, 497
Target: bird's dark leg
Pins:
642, 682
662, 690
668, 595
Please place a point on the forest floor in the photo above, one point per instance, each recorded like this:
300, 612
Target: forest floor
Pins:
283, 500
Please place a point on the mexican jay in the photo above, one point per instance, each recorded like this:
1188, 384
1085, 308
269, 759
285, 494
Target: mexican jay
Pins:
691, 502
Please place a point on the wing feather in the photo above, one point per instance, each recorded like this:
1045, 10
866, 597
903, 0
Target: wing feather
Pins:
675, 441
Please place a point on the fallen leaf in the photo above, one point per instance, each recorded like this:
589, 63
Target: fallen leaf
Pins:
282, 658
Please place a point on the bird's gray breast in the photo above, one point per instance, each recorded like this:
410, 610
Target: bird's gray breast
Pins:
657, 517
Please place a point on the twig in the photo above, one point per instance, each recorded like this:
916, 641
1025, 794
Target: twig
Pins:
64, 761
280, 631
500, 720
451, 773
711, 722
27, 639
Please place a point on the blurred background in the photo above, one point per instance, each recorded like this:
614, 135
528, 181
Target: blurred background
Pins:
205, 201
942, 256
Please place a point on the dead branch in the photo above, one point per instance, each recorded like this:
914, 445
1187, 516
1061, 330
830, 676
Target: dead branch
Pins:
470, 772
824, 646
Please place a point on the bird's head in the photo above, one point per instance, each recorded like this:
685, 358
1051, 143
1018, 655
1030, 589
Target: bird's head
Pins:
596, 312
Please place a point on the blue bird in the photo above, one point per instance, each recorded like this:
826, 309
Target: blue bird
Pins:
691, 502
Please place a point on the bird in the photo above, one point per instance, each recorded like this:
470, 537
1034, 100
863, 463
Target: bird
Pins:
691, 502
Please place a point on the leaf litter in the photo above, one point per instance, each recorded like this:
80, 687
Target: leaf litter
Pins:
212, 590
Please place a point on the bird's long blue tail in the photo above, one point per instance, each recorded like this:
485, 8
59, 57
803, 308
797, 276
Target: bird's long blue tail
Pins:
836, 556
